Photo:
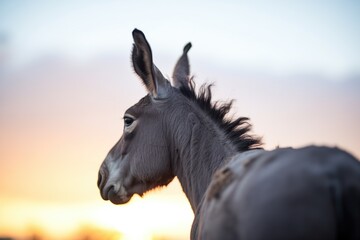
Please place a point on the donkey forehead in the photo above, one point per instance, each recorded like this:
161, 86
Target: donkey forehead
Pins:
136, 109
149, 104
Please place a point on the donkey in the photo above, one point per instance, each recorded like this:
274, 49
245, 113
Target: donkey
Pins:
236, 189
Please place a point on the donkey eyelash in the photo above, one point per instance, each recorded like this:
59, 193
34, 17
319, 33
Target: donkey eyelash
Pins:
128, 121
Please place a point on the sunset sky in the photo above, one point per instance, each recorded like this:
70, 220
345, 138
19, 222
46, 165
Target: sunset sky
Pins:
66, 80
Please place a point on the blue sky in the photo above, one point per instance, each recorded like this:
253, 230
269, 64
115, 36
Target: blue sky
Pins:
279, 36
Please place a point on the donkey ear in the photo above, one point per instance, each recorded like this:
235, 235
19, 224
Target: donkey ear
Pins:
154, 81
182, 69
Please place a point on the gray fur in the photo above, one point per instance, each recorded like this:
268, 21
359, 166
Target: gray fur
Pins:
308, 193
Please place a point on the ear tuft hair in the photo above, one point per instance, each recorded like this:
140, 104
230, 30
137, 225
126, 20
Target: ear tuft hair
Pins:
187, 47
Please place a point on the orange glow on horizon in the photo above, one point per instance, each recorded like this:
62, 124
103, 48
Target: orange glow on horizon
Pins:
139, 219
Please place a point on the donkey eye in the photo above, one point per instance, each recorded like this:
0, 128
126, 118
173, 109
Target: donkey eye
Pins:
128, 121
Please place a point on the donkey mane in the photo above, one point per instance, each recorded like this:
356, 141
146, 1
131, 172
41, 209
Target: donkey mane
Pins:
237, 130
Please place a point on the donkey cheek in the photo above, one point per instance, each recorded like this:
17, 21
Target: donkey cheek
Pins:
151, 166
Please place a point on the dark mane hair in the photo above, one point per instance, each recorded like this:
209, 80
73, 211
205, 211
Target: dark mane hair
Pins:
237, 130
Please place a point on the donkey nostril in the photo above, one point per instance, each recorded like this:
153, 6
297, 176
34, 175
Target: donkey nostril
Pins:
99, 179
102, 176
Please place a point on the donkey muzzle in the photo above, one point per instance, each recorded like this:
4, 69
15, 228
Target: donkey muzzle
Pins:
110, 189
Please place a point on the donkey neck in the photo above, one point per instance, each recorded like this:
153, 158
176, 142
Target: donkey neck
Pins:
200, 148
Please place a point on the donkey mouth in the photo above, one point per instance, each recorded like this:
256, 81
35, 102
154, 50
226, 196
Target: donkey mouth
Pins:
116, 198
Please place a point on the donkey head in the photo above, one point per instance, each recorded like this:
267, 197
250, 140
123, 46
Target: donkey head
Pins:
140, 160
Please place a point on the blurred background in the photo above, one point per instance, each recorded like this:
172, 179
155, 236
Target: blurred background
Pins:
66, 79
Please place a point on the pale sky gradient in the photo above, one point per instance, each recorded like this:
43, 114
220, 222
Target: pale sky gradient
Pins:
282, 36
66, 80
